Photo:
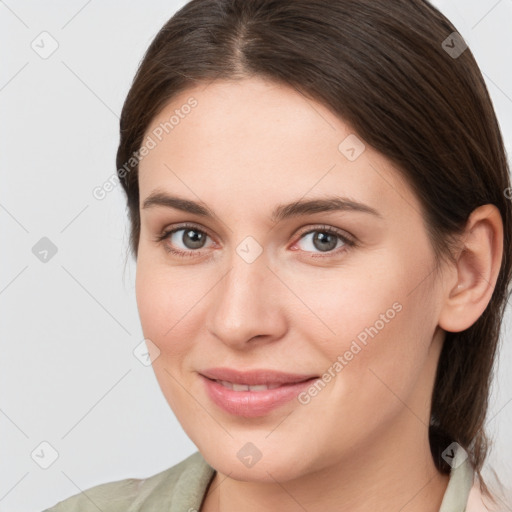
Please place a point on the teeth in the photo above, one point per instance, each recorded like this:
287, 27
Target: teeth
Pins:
244, 387
240, 387
261, 387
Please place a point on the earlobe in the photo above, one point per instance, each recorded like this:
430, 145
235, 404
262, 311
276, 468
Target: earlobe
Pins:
477, 268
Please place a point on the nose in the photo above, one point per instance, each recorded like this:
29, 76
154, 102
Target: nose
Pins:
246, 304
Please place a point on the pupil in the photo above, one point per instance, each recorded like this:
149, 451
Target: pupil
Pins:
322, 238
196, 239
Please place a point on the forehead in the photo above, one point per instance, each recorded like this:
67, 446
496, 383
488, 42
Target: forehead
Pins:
263, 142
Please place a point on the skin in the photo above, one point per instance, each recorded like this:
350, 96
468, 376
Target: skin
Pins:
362, 443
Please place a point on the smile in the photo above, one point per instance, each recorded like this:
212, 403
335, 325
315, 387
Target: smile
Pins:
245, 387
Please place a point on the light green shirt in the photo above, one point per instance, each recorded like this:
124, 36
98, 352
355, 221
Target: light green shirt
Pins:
182, 488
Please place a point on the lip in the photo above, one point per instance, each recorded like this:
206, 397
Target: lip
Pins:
255, 377
251, 404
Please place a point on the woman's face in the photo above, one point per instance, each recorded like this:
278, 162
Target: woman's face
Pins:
259, 286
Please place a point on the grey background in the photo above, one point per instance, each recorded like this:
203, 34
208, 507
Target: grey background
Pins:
69, 325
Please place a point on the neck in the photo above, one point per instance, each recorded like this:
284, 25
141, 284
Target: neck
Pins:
397, 473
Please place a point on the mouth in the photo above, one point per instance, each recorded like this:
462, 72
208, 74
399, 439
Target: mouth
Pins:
255, 378
242, 396
259, 387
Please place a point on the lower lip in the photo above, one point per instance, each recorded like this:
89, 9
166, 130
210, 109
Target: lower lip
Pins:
251, 404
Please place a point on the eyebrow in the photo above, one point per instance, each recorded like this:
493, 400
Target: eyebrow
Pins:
280, 212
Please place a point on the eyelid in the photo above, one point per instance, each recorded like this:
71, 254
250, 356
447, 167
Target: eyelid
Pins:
346, 237
178, 227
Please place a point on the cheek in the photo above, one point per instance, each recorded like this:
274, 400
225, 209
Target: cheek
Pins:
163, 301
346, 303
165, 304
368, 325
373, 366
152, 302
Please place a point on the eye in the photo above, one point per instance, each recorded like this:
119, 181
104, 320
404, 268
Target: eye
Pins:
188, 240
324, 239
185, 240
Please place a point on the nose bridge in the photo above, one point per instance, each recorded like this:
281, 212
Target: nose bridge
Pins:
243, 305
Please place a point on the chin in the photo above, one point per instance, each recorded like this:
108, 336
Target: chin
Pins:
281, 467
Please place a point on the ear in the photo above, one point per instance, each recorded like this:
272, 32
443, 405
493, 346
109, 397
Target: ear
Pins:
477, 268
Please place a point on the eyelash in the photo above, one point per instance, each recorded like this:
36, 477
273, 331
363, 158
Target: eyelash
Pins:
349, 242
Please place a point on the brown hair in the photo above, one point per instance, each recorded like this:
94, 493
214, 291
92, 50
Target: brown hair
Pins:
383, 68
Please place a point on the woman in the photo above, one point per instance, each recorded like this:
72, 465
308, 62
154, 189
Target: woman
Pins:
317, 196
